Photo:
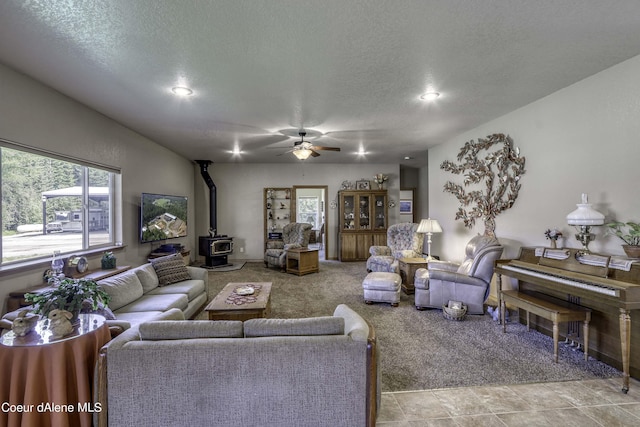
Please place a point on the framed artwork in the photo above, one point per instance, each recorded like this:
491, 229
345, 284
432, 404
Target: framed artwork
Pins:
406, 206
363, 185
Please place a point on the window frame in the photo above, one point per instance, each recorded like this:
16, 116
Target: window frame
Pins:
114, 203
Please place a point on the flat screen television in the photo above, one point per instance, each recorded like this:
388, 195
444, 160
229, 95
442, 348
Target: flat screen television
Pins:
162, 217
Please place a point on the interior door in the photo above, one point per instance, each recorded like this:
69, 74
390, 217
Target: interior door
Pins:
319, 218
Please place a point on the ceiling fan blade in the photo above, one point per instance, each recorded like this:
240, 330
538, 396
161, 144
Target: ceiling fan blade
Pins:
318, 147
314, 153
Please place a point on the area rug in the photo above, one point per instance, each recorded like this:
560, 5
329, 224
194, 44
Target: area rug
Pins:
421, 350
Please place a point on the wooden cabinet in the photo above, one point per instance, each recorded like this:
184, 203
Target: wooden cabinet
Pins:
363, 223
277, 212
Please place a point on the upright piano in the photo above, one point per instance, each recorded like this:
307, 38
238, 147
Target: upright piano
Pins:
609, 286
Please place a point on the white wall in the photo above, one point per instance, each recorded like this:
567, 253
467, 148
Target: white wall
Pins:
35, 115
240, 197
582, 139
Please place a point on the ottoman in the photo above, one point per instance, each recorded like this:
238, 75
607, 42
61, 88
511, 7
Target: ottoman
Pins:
382, 287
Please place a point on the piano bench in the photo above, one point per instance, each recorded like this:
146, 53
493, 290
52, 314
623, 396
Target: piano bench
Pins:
557, 312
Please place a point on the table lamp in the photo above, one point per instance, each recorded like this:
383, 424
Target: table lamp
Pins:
585, 217
429, 226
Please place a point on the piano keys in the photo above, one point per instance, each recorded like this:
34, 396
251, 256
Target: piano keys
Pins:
609, 287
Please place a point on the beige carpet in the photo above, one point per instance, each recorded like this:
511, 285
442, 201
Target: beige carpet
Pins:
420, 349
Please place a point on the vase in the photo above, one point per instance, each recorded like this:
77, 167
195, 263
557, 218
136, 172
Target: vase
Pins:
380, 186
553, 244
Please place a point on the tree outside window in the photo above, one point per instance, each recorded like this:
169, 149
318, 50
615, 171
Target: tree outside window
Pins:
307, 210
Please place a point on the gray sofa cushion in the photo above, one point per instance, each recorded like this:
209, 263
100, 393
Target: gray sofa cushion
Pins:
192, 288
170, 269
123, 289
294, 327
156, 303
175, 330
148, 277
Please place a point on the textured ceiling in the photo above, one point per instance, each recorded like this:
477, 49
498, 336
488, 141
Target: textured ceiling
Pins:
348, 71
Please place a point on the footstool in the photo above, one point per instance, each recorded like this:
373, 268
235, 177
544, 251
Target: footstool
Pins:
382, 287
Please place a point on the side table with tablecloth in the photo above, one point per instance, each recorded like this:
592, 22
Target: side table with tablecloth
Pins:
49, 382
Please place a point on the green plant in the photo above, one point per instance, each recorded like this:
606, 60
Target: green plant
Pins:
69, 294
628, 232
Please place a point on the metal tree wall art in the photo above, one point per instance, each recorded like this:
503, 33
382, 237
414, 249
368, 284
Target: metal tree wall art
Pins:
500, 169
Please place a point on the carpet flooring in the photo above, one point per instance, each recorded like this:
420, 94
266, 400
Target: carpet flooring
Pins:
421, 350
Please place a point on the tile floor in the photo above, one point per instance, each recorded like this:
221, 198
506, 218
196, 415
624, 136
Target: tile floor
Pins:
571, 403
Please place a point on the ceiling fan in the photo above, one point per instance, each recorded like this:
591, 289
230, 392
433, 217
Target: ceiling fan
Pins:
303, 149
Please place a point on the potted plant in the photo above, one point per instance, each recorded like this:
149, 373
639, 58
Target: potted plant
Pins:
70, 295
628, 232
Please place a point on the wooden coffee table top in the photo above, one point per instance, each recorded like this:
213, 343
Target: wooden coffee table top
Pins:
228, 299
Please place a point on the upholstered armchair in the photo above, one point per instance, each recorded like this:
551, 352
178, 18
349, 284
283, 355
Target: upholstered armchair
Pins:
294, 235
468, 282
402, 242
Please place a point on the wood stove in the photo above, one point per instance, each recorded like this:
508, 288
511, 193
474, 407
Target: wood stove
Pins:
215, 247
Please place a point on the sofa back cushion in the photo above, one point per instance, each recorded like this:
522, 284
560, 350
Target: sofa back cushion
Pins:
123, 289
294, 327
147, 276
177, 330
170, 269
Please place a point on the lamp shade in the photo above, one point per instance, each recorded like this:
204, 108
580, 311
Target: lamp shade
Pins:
302, 154
429, 226
585, 214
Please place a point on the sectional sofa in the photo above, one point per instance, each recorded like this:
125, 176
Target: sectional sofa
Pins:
318, 371
146, 292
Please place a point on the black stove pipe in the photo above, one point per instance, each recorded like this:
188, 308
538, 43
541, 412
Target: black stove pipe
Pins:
213, 220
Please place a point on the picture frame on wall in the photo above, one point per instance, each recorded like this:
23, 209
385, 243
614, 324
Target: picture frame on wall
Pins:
406, 207
363, 185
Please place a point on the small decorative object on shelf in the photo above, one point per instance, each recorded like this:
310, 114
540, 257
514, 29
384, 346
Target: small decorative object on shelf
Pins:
553, 235
380, 179
108, 261
60, 323
24, 323
57, 265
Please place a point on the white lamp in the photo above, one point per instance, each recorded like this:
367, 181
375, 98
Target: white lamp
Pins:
429, 226
584, 217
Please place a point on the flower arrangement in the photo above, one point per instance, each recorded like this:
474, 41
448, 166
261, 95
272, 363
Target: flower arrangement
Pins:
553, 234
380, 179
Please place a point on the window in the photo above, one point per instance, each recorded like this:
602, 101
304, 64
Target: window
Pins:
51, 203
307, 210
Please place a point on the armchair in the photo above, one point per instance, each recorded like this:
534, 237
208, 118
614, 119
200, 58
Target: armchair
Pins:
294, 235
402, 242
468, 282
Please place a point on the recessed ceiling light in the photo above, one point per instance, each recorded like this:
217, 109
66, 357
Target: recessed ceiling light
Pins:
182, 91
361, 153
429, 96
408, 158
236, 151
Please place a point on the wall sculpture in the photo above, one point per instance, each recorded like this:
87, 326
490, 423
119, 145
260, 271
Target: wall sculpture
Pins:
500, 169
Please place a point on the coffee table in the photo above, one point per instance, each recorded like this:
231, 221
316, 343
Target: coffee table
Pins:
230, 305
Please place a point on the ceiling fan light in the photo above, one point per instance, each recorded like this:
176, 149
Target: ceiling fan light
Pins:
302, 154
182, 91
430, 96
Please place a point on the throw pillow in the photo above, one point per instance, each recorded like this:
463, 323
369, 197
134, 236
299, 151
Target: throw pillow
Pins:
170, 269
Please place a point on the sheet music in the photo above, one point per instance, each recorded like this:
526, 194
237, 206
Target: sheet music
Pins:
557, 253
595, 260
621, 263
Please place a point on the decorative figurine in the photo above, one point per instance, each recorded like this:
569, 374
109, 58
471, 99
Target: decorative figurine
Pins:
60, 323
24, 323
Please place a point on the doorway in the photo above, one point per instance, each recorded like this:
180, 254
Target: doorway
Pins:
310, 205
